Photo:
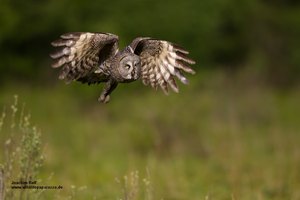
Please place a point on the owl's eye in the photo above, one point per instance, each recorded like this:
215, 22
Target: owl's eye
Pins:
127, 66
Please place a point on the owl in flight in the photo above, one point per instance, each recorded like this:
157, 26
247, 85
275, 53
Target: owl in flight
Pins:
93, 58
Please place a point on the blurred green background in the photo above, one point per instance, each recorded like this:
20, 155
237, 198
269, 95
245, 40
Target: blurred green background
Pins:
232, 133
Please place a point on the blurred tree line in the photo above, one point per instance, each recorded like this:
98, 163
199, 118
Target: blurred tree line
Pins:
230, 34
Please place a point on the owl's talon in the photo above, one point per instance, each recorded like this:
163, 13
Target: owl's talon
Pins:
101, 98
107, 98
104, 98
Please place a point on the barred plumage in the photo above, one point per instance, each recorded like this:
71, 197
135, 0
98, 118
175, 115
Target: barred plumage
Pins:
164, 59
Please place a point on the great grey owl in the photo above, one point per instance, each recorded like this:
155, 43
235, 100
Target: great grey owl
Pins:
95, 57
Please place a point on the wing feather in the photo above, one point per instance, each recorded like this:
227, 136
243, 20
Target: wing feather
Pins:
161, 62
81, 53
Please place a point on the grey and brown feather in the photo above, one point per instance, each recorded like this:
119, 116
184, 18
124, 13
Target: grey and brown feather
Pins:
95, 57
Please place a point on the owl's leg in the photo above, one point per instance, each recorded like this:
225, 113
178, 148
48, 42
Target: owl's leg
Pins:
107, 90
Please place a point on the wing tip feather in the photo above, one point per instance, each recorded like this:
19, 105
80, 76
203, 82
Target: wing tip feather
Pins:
71, 35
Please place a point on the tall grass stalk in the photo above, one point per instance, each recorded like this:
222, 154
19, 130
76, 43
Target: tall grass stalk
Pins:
133, 189
22, 153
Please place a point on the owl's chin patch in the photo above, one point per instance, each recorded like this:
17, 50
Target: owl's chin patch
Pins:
129, 77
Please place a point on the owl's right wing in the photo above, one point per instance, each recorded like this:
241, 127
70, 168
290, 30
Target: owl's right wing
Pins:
81, 53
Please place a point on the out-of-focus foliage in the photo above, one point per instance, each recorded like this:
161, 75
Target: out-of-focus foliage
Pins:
258, 34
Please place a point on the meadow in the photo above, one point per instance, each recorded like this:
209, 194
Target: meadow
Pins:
223, 136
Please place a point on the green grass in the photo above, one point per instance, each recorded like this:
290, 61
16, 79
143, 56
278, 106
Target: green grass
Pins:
219, 138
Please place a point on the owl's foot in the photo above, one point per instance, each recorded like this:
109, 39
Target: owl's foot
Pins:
108, 88
104, 98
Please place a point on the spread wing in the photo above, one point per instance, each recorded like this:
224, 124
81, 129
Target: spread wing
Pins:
161, 62
81, 54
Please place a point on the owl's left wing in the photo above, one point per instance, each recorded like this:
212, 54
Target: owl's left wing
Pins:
161, 62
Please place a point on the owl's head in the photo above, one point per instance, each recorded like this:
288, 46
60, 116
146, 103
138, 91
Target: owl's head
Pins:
129, 68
